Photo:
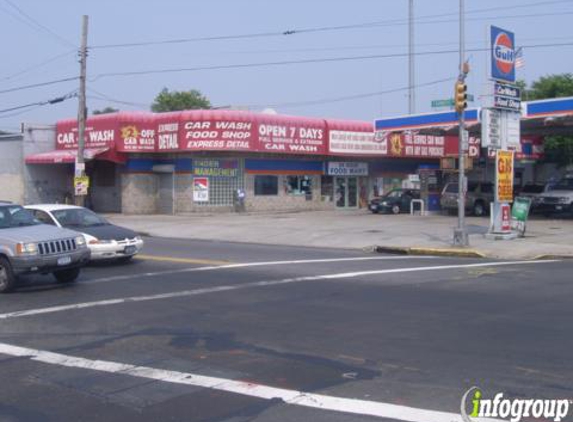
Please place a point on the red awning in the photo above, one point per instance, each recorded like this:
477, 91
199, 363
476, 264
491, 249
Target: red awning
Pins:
62, 156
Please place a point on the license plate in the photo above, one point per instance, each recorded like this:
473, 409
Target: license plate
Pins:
65, 260
373, 207
558, 207
129, 250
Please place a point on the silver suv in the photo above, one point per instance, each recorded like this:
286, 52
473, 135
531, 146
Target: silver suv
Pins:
559, 199
478, 197
28, 246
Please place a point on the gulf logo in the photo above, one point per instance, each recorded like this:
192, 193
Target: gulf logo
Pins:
503, 53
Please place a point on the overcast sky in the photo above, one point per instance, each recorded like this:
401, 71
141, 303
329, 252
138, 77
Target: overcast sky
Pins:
40, 38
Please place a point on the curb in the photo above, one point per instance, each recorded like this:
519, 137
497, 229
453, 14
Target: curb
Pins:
463, 253
551, 256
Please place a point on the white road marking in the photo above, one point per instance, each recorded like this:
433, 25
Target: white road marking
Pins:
225, 288
291, 397
252, 264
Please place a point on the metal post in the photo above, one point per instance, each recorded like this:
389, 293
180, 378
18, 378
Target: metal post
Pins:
411, 63
460, 232
80, 199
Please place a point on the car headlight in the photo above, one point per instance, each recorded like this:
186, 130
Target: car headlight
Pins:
27, 248
137, 238
384, 202
564, 200
80, 241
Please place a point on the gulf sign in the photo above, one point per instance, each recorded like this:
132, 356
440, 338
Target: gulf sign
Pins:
502, 55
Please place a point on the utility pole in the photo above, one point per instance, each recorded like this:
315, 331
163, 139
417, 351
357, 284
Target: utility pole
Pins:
460, 232
411, 63
80, 170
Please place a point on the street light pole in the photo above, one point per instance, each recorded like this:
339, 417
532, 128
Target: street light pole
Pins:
80, 162
460, 232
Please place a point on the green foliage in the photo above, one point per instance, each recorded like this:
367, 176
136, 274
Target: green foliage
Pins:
552, 86
106, 110
558, 149
180, 100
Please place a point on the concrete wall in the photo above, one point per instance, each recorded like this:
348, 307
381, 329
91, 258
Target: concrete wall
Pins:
11, 168
139, 193
45, 183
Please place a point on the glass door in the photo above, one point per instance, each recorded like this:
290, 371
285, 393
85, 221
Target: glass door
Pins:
346, 192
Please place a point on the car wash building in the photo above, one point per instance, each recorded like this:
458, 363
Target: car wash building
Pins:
198, 160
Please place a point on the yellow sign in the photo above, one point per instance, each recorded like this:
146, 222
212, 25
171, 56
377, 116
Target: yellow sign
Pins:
504, 176
81, 185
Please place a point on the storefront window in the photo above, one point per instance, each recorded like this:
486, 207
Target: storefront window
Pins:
266, 185
298, 185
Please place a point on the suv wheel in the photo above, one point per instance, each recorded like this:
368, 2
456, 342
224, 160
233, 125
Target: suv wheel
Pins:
67, 276
7, 277
479, 209
395, 209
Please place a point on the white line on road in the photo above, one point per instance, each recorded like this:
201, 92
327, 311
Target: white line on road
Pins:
225, 288
291, 397
252, 264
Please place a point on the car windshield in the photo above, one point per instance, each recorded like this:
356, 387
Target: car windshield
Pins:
78, 217
16, 216
565, 184
532, 189
394, 194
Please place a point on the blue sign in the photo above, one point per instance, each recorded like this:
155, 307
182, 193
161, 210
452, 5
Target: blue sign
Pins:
502, 55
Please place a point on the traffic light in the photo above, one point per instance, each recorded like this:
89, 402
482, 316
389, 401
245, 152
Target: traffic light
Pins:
461, 96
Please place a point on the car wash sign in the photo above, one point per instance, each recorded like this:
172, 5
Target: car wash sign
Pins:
502, 55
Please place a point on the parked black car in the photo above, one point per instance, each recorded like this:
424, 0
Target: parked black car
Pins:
395, 201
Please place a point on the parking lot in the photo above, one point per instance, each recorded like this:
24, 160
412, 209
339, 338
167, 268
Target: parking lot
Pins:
222, 331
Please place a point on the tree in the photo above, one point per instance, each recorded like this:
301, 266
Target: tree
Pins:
180, 100
106, 110
558, 149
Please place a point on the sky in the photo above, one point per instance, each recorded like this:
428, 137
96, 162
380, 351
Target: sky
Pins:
346, 59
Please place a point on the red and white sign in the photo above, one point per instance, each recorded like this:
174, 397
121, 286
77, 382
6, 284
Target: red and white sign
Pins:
505, 218
101, 132
290, 135
200, 189
215, 131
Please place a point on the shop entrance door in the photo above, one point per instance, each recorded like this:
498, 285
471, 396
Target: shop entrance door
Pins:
165, 200
346, 192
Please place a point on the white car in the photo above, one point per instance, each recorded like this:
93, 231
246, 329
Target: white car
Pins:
105, 240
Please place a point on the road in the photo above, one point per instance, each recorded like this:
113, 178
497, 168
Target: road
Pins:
214, 331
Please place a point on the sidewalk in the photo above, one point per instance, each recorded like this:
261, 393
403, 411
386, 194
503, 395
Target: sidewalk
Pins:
357, 229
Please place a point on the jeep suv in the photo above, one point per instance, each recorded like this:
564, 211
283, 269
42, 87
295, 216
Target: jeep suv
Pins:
478, 197
28, 246
559, 199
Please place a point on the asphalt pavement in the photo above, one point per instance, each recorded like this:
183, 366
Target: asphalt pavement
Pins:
360, 229
215, 331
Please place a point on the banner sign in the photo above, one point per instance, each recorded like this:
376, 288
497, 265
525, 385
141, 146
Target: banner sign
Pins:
336, 168
215, 168
348, 142
412, 144
286, 137
502, 55
200, 189
504, 176
99, 133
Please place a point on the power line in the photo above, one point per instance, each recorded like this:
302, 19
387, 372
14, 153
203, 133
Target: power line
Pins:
104, 97
42, 103
351, 97
37, 66
392, 22
34, 24
39, 84
308, 61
